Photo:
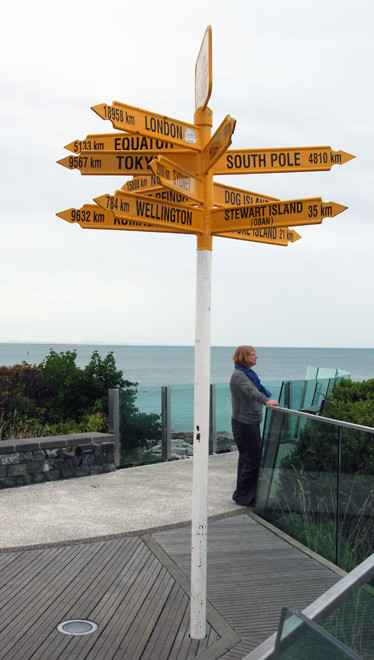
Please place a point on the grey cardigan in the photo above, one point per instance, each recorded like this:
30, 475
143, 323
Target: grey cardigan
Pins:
246, 400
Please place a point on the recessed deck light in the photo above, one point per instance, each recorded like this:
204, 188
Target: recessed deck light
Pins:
77, 627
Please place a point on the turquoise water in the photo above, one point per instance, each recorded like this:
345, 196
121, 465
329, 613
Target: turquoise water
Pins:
154, 366
174, 365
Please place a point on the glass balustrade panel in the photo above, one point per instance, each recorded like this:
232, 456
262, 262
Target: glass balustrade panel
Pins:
139, 425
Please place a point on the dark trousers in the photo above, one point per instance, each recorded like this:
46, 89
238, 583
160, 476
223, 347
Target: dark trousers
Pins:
248, 441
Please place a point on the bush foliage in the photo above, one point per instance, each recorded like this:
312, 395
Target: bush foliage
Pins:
353, 401
317, 449
58, 397
306, 496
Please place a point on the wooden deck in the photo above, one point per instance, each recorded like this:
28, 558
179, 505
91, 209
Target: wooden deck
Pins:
136, 589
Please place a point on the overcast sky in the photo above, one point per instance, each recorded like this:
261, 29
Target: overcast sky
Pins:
291, 72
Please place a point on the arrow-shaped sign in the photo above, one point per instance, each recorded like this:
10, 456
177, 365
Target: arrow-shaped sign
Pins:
135, 120
229, 196
122, 142
142, 184
92, 216
176, 178
271, 235
89, 215
218, 143
297, 159
123, 163
151, 187
153, 211
292, 212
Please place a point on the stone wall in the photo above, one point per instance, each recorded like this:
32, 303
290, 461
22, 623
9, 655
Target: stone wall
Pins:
36, 460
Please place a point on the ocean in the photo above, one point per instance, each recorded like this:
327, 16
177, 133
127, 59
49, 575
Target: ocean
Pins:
154, 366
174, 365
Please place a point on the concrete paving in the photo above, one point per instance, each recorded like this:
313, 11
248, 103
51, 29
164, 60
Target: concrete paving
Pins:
103, 506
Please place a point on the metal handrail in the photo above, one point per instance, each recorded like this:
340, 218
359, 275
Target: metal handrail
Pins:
325, 604
327, 420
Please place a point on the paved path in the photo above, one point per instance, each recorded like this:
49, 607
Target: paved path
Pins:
129, 500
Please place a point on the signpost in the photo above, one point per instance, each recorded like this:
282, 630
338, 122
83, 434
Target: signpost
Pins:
296, 159
269, 235
218, 143
122, 142
135, 120
93, 216
173, 164
156, 212
293, 212
124, 163
175, 177
229, 196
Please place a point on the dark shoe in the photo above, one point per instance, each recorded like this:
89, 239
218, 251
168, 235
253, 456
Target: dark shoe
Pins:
252, 504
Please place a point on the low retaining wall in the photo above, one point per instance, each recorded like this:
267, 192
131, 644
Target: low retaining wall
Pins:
36, 460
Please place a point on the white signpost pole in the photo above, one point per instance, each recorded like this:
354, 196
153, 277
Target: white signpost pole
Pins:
204, 119
201, 446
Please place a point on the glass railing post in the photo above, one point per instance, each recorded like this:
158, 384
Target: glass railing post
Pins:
272, 434
338, 472
113, 420
212, 421
165, 424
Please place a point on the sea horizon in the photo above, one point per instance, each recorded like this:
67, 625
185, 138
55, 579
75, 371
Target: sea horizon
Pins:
166, 364
177, 345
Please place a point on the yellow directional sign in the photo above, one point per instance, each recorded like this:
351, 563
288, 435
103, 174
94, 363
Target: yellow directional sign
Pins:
140, 208
142, 184
152, 187
92, 216
219, 142
296, 159
176, 178
122, 142
135, 120
292, 212
269, 235
204, 71
171, 196
129, 163
229, 196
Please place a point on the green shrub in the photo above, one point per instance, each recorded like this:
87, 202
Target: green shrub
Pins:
353, 402
75, 390
305, 499
139, 432
57, 397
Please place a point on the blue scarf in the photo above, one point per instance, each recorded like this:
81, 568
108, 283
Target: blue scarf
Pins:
255, 380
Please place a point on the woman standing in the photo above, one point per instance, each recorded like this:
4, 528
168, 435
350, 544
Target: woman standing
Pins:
247, 398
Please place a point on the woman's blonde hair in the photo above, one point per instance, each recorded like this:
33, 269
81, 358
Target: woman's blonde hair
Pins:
241, 354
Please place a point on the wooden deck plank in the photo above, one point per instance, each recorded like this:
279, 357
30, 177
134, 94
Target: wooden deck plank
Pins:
30, 603
62, 578
137, 636
252, 574
97, 602
169, 620
121, 603
20, 570
137, 591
